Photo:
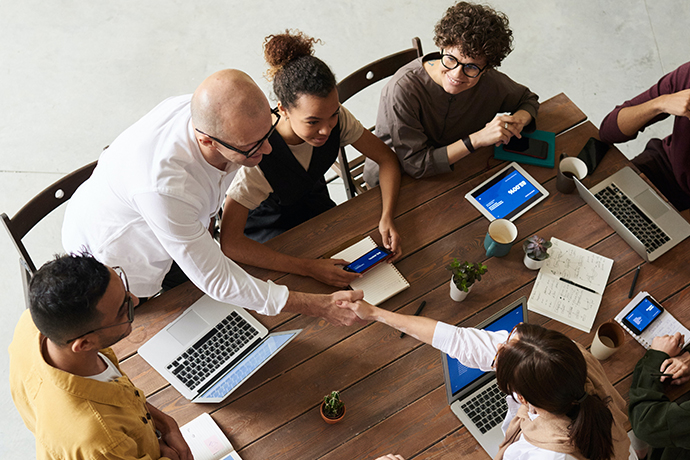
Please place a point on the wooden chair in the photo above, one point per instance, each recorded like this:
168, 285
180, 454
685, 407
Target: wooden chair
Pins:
351, 172
35, 210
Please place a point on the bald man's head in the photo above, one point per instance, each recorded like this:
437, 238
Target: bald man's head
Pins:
225, 101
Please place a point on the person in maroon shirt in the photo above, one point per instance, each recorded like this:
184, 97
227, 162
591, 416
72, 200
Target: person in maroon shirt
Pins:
665, 162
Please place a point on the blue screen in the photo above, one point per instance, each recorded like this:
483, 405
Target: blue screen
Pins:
460, 376
642, 315
367, 260
249, 364
507, 194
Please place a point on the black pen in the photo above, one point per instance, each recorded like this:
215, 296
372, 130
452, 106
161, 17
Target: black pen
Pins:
632, 286
578, 285
660, 374
419, 310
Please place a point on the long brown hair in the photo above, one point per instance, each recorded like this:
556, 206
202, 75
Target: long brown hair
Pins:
548, 370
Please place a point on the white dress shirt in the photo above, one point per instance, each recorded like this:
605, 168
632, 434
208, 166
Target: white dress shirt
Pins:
150, 201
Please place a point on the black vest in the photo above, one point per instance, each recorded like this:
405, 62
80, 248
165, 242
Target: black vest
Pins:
298, 195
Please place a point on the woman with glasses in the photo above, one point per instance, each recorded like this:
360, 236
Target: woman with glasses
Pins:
441, 107
561, 406
288, 186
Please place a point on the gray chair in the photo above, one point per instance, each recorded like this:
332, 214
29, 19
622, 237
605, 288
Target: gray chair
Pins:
35, 210
352, 172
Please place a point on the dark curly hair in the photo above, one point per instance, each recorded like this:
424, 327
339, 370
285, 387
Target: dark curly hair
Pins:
64, 293
478, 30
294, 69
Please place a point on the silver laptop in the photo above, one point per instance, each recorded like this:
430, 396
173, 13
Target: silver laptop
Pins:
473, 395
633, 209
211, 349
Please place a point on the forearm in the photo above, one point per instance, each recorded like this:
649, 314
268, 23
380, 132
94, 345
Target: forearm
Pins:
389, 181
419, 327
631, 119
244, 250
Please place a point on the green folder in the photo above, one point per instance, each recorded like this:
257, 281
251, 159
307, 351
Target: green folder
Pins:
548, 162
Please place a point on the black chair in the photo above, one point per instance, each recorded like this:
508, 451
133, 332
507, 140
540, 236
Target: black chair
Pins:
351, 172
35, 210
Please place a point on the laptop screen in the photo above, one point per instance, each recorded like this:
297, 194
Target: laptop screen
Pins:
507, 194
460, 376
249, 364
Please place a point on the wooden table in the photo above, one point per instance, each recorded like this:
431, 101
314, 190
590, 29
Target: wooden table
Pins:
392, 387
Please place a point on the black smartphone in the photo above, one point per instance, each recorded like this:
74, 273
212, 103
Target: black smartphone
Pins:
528, 146
643, 315
368, 260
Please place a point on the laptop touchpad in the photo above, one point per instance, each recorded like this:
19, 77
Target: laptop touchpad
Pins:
187, 328
651, 203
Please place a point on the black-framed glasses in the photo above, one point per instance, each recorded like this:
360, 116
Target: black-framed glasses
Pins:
249, 153
129, 303
450, 62
510, 335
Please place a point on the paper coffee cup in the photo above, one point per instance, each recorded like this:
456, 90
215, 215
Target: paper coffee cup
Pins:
608, 338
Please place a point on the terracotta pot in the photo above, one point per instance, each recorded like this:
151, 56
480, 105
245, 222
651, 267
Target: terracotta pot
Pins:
331, 421
457, 294
533, 264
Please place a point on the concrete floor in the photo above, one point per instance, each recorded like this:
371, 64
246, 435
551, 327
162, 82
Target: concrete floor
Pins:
75, 74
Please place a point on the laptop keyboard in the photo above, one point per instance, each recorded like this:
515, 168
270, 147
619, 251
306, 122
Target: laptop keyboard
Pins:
632, 218
487, 409
213, 350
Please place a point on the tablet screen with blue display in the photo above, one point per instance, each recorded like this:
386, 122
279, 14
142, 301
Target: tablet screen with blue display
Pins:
508, 194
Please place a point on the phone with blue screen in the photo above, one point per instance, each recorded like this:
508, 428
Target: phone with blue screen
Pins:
643, 315
368, 260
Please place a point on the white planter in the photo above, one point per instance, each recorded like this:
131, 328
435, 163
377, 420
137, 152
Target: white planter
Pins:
533, 264
455, 293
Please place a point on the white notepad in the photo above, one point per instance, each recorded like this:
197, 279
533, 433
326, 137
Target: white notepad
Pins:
570, 303
207, 441
665, 324
381, 282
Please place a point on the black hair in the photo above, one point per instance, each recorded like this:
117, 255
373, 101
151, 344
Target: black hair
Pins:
64, 293
294, 68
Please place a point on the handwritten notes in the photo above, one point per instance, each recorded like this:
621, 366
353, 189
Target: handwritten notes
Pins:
665, 324
571, 301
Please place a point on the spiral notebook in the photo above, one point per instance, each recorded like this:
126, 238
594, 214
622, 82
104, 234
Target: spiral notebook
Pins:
381, 282
207, 441
665, 324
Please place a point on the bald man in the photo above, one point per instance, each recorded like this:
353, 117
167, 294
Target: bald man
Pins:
157, 189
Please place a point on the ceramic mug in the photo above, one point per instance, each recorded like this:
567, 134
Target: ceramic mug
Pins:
568, 168
500, 237
608, 338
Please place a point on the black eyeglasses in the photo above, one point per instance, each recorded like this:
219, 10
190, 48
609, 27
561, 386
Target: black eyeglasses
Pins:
450, 62
128, 302
249, 153
504, 343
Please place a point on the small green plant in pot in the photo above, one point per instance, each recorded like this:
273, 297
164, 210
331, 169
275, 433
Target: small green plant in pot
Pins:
465, 274
332, 408
536, 253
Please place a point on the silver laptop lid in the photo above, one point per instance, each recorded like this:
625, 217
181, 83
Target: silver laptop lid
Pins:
462, 381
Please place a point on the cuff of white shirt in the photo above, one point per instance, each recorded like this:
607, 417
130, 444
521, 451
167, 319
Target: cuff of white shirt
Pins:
276, 299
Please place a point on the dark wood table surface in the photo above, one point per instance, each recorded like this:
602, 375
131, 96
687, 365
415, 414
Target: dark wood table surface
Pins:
393, 388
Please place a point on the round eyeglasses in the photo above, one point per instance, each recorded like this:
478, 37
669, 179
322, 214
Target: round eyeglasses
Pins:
252, 151
128, 304
450, 62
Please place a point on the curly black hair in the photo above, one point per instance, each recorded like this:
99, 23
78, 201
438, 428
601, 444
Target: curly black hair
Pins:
478, 30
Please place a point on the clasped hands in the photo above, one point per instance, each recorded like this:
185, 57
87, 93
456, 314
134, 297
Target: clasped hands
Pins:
678, 365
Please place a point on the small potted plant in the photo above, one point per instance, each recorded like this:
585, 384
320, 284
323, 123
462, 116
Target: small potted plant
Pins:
332, 408
464, 276
535, 252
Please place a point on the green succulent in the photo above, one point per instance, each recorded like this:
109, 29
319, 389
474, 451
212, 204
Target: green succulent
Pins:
332, 405
465, 274
535, 247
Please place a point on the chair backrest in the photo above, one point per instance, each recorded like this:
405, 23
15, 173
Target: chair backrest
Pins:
361, 79
39, 207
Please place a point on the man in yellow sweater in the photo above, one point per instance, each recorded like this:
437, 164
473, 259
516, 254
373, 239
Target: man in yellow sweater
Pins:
66, 382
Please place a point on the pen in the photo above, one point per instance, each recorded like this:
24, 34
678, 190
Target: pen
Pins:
660, 374
632, 287
578, 285
419, 310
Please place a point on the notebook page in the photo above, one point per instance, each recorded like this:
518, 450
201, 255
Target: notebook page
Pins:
207, 441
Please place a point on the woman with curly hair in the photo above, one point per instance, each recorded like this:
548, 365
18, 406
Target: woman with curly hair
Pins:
561, 406
441, 107
288, 186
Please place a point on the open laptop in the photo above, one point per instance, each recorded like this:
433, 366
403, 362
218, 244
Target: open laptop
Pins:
633, 209
473, 395
211, 349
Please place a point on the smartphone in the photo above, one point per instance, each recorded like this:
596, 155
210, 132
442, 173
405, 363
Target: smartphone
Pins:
368, 260
528, 146
643, 315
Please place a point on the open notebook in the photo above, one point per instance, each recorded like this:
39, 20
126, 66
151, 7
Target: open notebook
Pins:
381, 282
207, 441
